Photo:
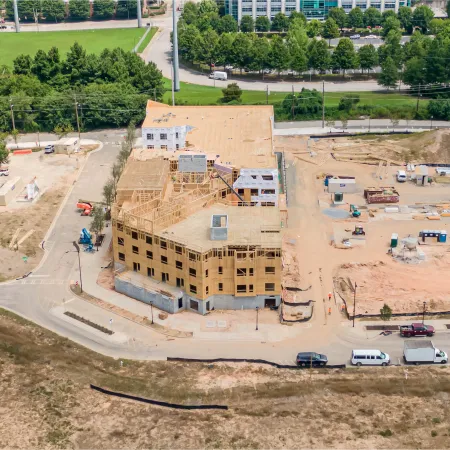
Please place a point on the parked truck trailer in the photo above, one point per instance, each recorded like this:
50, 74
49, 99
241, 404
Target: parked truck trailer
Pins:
423, 352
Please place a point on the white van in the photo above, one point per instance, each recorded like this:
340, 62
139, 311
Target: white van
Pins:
370, 358
401, 176
218, 76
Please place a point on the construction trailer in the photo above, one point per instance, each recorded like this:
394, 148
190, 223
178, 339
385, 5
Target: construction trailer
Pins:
382, 194
67, 145
344, 185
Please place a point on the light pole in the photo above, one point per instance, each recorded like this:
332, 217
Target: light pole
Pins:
257, 311
424, 309
354, 304
369, 124
77, 248
431, 122
151, 307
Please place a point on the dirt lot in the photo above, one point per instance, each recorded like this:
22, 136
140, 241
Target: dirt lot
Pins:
47, 402
55, 174
379, 277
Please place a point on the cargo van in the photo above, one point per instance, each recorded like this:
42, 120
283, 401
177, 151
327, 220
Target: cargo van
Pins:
370, 358
401, 176
218, 76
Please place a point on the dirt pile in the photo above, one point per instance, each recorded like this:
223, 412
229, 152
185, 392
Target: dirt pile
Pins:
403, 287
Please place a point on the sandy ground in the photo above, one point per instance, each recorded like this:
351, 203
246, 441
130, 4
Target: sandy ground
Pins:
47, 402
54, 175
312, 237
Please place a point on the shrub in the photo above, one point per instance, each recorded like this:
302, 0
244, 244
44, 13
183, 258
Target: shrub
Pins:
386, 433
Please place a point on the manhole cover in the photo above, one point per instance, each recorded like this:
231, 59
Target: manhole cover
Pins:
211, 324
382, 327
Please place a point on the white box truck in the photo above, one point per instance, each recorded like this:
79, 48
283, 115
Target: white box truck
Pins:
423, 352
218, 76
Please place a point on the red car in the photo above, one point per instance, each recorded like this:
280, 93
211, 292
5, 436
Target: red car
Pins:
416, 329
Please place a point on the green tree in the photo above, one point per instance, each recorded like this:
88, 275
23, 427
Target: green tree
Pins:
392, 47
228, 24
208, 6
79, 9
437, 25
297, 42
54, 10
63, 130
448, 8
46, 66
356, 18
247, 24
232, 93
346, 103
330, 30
437, 64
372, 17
296, 16
103, 9
386, 312
319, 55
279, 57
344, 56
241, 50
98, 221
22, 65
208, 47
280, 22
313, 28
225, 55
368, 57
391, 23
387, 13
4, 152
307, 103
188, 40
260, 54
108, 193
262, 24
126, 9
190, 13
415, 72
404, 15
418, 45
389, 74
421, 17
339, 16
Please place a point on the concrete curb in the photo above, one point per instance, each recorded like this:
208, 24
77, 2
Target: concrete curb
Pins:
135, 49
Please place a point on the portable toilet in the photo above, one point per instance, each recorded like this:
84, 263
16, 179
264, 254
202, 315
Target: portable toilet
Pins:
338, 197
394, 240
442, 236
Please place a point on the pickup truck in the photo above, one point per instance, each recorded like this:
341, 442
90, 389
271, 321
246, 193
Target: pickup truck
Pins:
416, 329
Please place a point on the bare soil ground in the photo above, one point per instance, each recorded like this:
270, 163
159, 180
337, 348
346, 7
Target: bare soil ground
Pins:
47, 402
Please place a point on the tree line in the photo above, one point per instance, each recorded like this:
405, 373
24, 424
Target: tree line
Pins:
58, 10
46, 92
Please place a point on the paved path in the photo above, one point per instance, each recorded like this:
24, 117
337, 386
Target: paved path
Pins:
45, 295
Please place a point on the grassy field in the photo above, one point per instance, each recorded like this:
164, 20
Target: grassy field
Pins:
94, 41
147, 39
194, 94
45, 381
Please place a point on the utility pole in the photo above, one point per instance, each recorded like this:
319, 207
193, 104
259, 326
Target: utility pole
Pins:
267, 95
78, 120
16, 16
293, 99
418, 95
139, 13
323, 104
12, 115
176, 79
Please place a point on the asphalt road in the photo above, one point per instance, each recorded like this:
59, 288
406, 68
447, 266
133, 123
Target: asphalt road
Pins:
43, 296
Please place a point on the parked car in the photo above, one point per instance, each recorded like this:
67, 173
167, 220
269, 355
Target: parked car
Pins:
372, 36
355, 36
336, 71
416, 329
370, 358
322, 72
4, 172
401, 176
306, 359
423, 352
49, 149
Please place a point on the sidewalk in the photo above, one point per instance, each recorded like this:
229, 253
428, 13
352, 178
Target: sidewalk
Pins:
218, 325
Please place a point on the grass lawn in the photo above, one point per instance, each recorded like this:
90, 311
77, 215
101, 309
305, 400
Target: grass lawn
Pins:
194, 94
147, 39
94, 41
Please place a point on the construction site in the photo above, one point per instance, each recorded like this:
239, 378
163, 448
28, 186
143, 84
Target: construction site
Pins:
385, 233
198, 218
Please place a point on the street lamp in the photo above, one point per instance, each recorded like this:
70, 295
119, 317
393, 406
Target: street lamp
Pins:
431, 122
257, 311
151, 307
424, 309
354, 304
77, 248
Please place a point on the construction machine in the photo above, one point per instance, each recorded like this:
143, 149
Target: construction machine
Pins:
359, 231
355, 211
85, 237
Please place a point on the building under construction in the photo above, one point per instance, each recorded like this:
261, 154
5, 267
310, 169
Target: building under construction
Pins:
196, 224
